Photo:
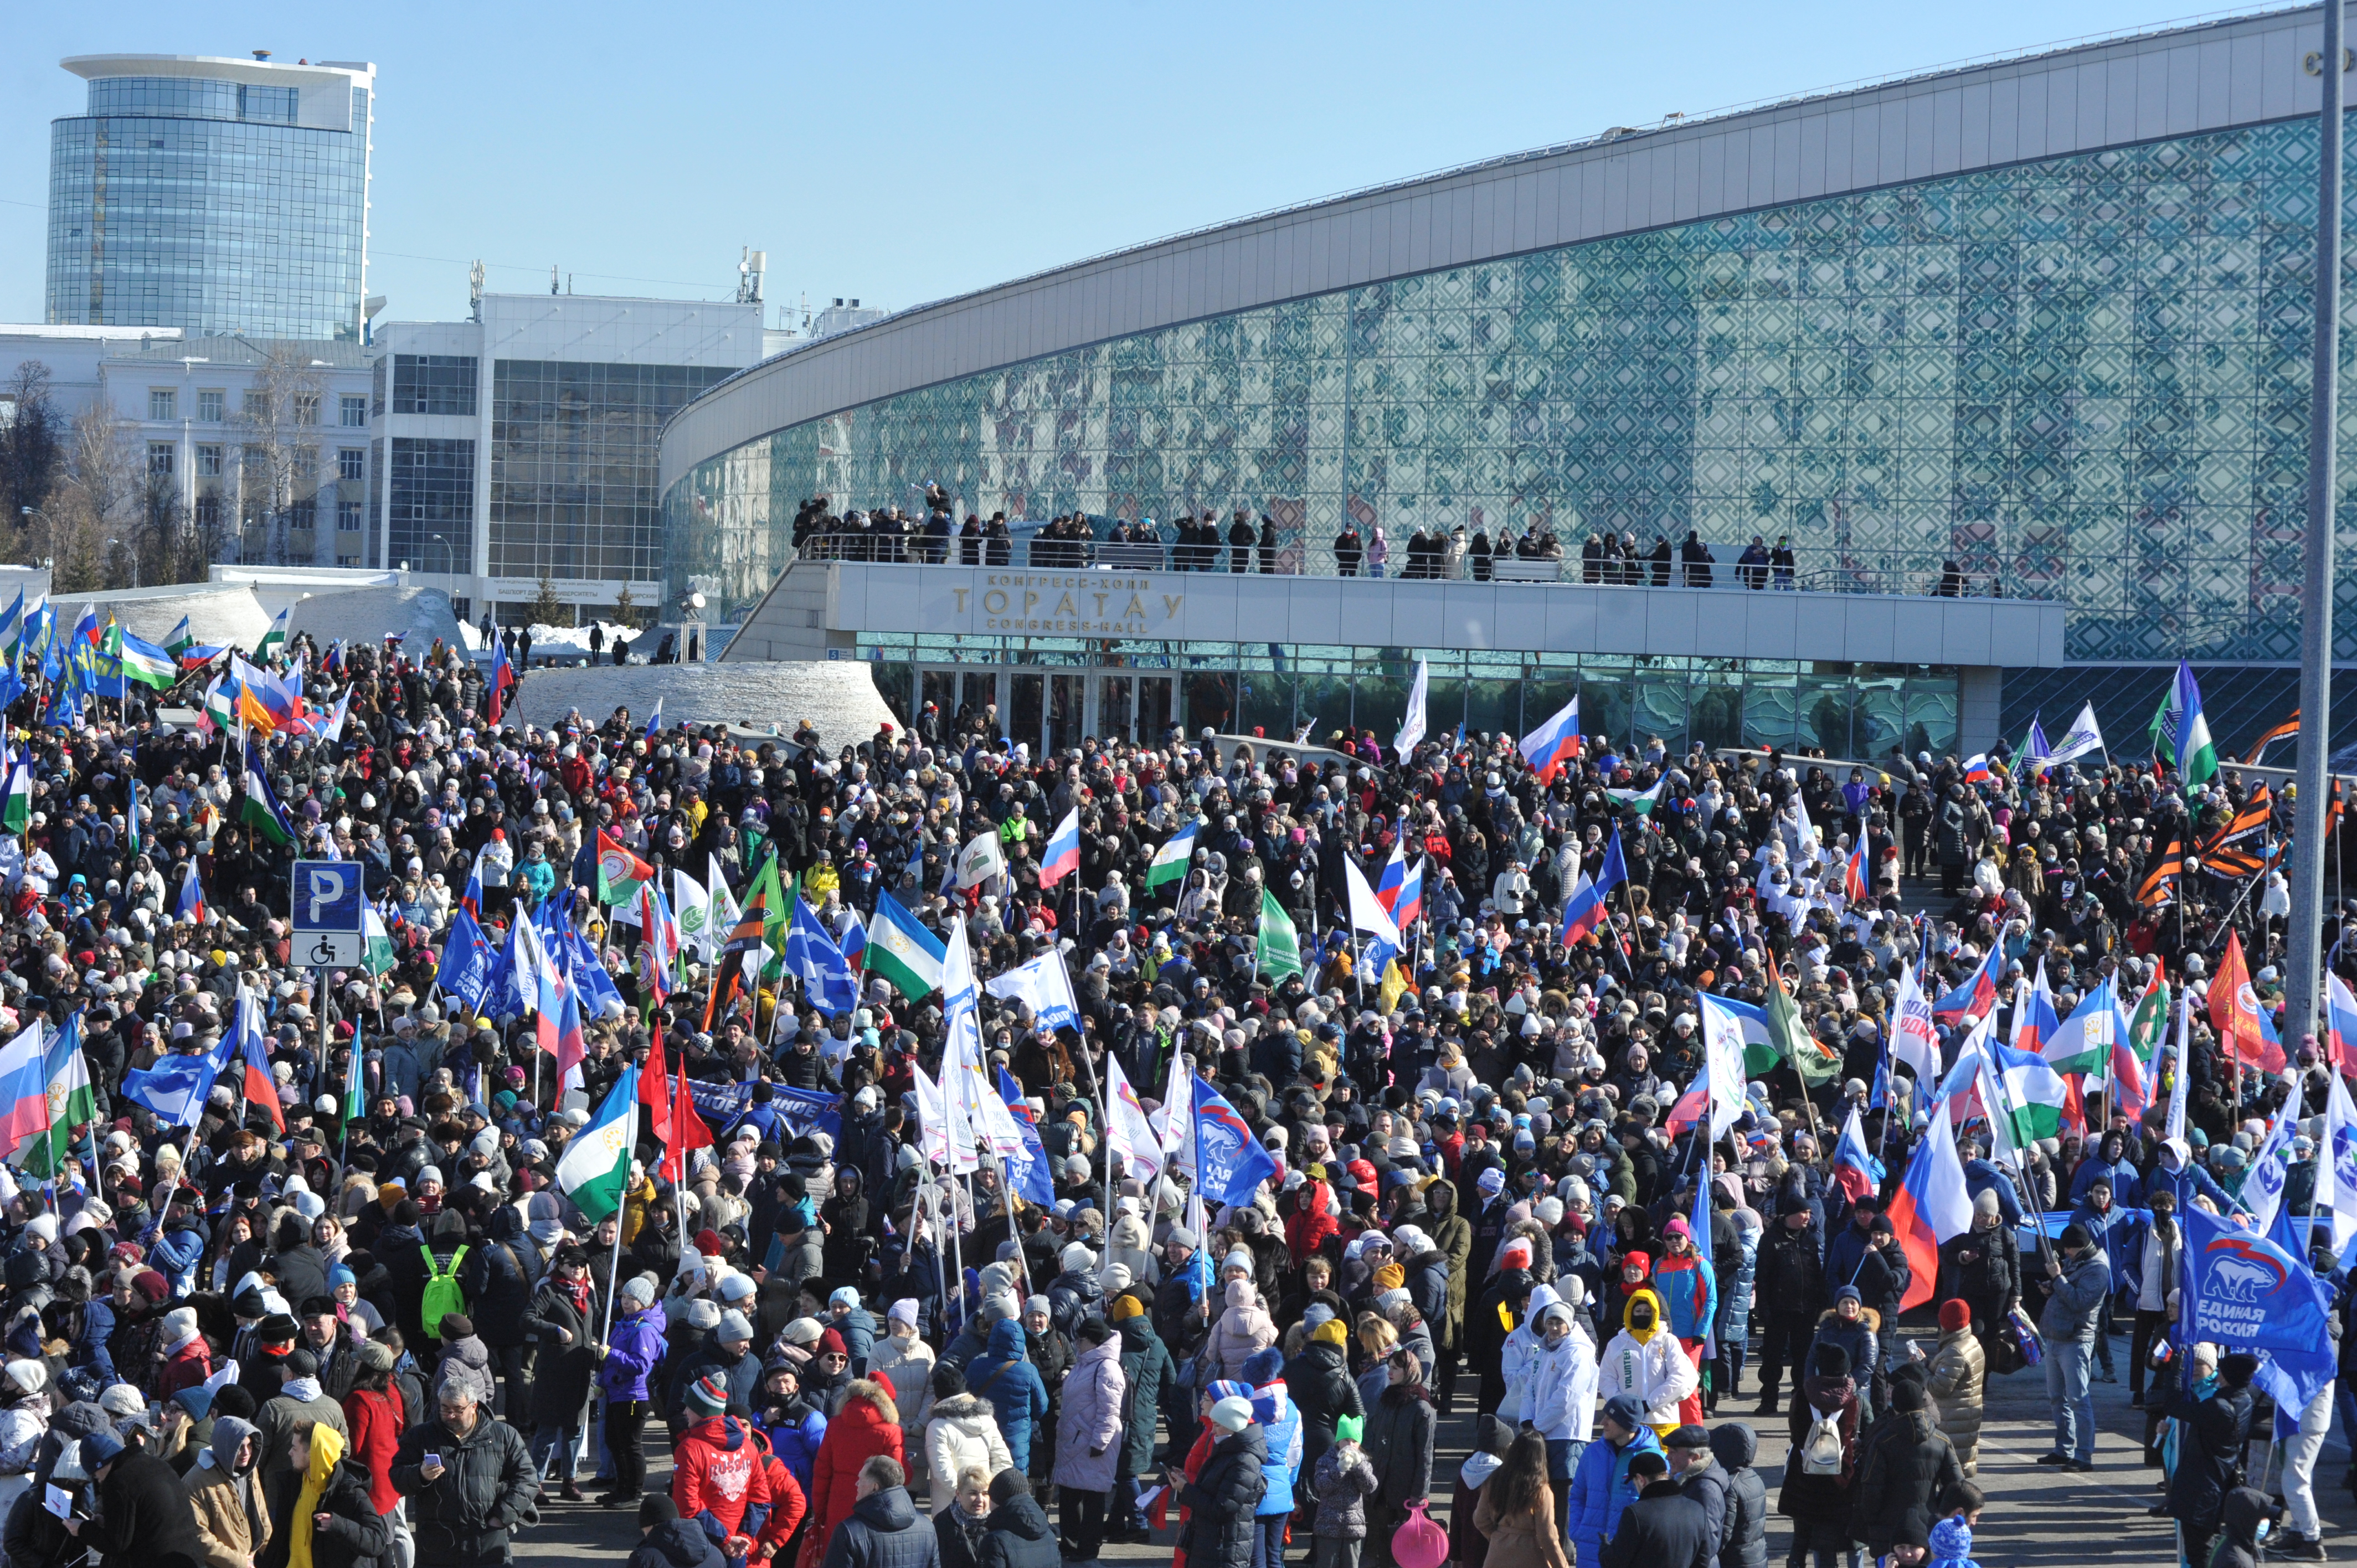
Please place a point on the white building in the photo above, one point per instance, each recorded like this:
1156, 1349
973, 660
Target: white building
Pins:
520, 448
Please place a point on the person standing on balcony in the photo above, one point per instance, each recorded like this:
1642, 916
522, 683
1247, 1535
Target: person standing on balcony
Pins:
1752, 566
1780, 559
1267, 545
1660, 560
1347, 550
1379, 549
1696, 557
1240, 540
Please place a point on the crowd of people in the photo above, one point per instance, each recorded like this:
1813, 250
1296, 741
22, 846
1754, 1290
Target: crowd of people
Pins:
340, 1310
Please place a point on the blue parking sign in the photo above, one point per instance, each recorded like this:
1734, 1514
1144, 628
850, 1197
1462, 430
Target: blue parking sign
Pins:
326, 896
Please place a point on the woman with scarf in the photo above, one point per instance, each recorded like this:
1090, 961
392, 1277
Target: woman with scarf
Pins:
333, 1522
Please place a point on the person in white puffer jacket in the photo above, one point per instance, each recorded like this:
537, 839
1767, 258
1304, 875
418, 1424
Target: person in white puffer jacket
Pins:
1562, 1400
24, 1418
1517, 1356
1645, 1361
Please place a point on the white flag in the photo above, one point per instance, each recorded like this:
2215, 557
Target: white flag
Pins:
2176, 1127
725, 911
2336, 1165
1411, 728
2082, 739
1368, 915
692, 907
1128, 1135
933, 1118
1914, 1039
1045, 987
980, 861
1722, 1041
2263, 1189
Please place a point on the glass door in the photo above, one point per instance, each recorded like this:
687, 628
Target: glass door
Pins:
1067, 699
1026, 707
1117, 706
1158, 703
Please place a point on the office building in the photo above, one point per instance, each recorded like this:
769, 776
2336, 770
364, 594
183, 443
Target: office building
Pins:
519, 447
212, 195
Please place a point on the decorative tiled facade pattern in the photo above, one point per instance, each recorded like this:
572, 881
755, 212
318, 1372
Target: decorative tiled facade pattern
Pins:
2086, 378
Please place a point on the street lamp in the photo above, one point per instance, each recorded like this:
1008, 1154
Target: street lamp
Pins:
134, 560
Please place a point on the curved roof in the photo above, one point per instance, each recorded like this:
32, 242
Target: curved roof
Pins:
2075, 100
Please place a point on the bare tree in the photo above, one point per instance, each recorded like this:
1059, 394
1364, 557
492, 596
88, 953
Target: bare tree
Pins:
31, 442
280, 428
98, 500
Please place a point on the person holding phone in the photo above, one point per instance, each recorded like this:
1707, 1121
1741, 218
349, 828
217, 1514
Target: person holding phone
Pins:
470, 1479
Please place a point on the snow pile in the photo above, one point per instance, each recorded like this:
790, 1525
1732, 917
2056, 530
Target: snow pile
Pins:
417, 616
838, 698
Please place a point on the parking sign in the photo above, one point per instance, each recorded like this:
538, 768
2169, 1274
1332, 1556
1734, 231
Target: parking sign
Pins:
325, 902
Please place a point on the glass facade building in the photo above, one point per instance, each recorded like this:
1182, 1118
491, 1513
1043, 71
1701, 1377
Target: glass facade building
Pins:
216, 195
573, 465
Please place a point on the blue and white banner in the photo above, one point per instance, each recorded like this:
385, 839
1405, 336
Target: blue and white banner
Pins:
2244, 1291
1045, 987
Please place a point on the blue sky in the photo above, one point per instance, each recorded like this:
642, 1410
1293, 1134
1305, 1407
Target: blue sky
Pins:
900, 153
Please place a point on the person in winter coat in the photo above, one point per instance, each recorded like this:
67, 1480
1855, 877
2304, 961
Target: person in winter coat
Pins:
625, 1382
1735, 1446
231, 1520
330, 1521
1515, 1518
1221, 1500
1560, 1397
1243, 1329
1089, 1433
1280, 1425
1644, 1359
1789, 1292
1857, 1330
1019, 1535
2079, 1283
717, 1480
1694, 1470
1146, 1369
1985, 1264
796, 1428
290, 1413
1399, 1445
1341, 1484
562, 1325
1663, 1526
1003, 1375
868, 1426
1075, 1295
2238, 1537
1958, 1380
906, 1362
961, 1434
468, 1500
1320, 1382
960, 1516
1492, 1440
1599, 1487
667, 1541
882, 1529
1905, 1466
376, 1415
2217, 1427
1819, 1504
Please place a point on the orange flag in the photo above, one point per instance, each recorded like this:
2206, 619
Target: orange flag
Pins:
2235, 1011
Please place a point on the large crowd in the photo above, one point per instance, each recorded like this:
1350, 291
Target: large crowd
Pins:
342, 1312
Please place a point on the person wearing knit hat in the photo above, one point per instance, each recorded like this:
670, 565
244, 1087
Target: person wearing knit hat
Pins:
706, 1397
1957, 1378
1231, 1414
1950, 1543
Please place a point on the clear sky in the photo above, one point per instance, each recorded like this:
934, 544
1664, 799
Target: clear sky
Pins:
903, 152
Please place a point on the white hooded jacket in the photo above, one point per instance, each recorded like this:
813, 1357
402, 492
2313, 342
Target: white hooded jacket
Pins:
1652, 1368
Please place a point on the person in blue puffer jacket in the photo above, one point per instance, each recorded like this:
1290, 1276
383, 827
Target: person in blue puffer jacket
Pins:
2176, 1174
795, 1426
1600, 1487
1006, 1377
2110, 1159
1280, 1420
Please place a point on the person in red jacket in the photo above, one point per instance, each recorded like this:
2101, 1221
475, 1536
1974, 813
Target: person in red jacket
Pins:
373, 1412
867, 1424
787, 1504
718, 1476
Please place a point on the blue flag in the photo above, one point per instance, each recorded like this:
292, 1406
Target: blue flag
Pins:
1229, 1162
813, 958
466, 966
2244, 1291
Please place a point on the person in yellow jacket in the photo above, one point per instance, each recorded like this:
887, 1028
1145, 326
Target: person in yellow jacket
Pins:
1646, 1362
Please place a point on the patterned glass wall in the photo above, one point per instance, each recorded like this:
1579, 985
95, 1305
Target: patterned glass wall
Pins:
2086, 376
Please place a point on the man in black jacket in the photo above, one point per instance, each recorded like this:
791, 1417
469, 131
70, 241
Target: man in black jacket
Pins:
884, 1530
1664, 1527
470, 1481
145, 1507
2209, 1462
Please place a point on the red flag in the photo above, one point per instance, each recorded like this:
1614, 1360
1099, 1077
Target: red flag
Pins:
2235, 1011
654, 1088
688, 1129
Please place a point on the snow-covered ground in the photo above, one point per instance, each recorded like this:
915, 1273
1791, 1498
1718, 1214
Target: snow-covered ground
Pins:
838, 699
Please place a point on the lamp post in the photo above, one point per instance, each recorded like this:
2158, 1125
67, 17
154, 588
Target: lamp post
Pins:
118, 544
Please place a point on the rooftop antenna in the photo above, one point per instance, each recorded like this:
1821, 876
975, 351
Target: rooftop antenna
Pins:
749, 270
551, 277
475, 292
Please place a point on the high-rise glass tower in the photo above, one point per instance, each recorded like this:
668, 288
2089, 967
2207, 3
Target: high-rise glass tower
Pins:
216, 195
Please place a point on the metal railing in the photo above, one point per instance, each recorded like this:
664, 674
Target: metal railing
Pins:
1818, 571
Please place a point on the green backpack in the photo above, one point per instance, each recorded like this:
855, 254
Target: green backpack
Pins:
443, 1294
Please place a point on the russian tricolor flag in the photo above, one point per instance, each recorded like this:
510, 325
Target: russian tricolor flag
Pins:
191, 906
502, 677
1930, 1206
261, 1086
1400, 890
1975, 998
1855, 1170
1584, 910
1976, 769
24, 1088
1554, 743
1062, 857
1854, 882
2340, 1023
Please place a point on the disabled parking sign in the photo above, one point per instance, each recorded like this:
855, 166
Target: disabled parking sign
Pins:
325, 903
